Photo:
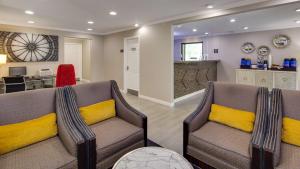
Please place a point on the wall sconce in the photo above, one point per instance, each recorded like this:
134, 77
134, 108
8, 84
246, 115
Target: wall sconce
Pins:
3, 58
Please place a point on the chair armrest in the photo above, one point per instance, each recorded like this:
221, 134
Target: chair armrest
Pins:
74, 133
260, 126
127, 112
271, 146
67, 131
199, 117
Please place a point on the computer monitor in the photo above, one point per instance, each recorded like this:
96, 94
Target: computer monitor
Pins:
17, 71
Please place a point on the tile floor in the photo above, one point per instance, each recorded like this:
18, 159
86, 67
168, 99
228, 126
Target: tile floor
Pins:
165, 124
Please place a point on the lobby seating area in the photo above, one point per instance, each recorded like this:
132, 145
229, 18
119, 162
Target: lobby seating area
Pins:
68, 139
72, 144
149, 84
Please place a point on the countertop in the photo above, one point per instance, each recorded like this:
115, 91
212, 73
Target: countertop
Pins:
200, 61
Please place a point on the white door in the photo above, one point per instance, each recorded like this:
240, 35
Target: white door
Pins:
132, 72
73, 55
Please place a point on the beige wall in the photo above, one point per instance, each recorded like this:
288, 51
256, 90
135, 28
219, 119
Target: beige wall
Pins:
96, 72
156, 53
156, 75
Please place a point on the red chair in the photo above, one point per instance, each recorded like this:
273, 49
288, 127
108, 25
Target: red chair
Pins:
65, 75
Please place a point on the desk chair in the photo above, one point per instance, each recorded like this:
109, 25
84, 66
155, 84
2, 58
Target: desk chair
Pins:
14, 84
65, 75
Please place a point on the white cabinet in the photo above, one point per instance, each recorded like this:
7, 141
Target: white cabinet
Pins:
267, 78
264, 79
245, 77
285, 80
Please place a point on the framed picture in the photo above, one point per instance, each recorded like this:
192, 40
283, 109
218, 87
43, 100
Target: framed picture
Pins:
28, 47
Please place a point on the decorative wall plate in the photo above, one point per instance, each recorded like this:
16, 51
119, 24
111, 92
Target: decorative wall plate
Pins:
248, 47
281, 41
27, 47
263, 50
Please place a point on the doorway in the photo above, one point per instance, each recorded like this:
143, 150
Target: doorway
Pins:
77, 52
73, 55
132, 65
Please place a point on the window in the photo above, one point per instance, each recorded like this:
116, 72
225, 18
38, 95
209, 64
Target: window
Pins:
192, 51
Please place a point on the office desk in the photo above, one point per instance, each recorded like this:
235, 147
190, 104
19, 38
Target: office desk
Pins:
35, 82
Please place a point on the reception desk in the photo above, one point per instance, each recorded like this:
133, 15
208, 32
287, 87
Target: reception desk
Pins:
190, 77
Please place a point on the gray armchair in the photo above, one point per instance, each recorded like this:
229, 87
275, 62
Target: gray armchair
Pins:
211, 144
115, 136
277, 154
64, 151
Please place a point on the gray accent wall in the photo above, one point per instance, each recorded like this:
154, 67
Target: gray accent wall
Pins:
190, 77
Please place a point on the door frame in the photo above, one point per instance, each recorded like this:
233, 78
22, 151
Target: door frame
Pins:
125, 63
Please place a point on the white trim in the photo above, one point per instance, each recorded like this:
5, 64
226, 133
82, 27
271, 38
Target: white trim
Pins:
85, 80
123, 91
125, 62
188, 96
157, 100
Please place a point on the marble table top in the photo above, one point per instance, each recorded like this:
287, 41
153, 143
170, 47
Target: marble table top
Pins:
152, 158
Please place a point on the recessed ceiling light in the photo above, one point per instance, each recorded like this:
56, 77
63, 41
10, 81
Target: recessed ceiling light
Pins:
195, 30
89, 29
91, 22
246, 27
113, 13
206, 33
29, 12
31, 22
136, 25
298, 21
232, 20
298, 10
209, 6
179, 26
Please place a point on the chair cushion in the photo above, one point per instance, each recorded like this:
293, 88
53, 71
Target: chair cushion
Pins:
48, 154
291, 131
113, 135
19, 135
98, 112
235, 118
224, 143
290, 156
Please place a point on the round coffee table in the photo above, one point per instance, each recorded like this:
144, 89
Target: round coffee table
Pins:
152, 158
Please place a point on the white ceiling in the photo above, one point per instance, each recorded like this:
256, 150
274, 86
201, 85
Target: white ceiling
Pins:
267, 19
74, 14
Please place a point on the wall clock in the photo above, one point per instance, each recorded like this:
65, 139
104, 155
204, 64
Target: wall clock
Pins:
27, 47
248, 47
281, 41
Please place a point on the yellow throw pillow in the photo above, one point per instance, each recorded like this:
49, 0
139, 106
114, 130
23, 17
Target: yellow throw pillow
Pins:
19, 135
235, 118
98, 112
291, 131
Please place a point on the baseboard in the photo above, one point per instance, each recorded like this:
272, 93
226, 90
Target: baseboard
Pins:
157, 101
188, 96
85, 80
